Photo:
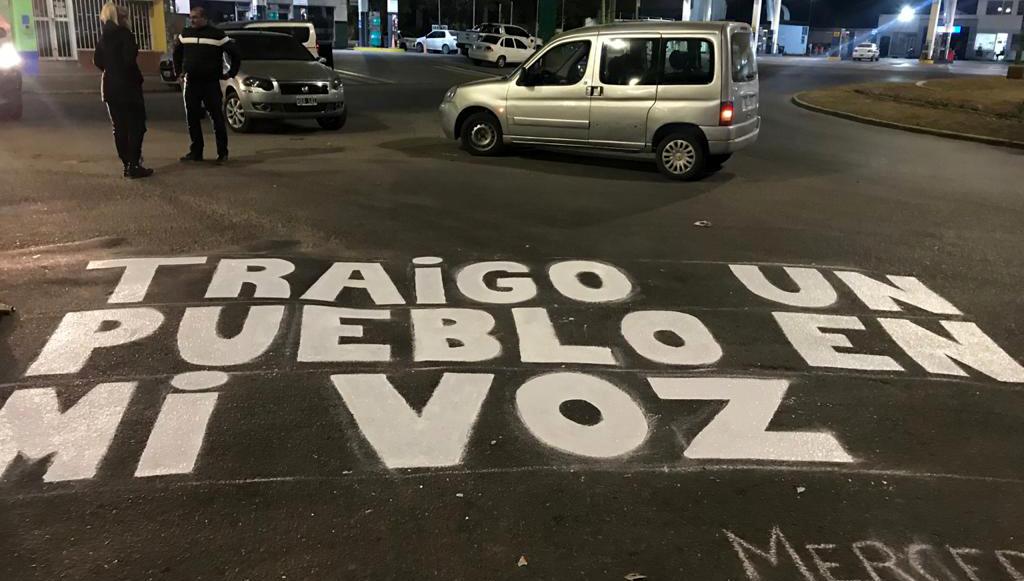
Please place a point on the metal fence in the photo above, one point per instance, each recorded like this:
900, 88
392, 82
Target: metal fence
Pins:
88, 28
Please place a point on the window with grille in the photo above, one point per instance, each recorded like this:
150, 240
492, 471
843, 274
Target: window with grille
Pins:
88, 27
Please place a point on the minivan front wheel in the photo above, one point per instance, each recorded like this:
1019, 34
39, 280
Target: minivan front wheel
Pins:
481, 134
681, 155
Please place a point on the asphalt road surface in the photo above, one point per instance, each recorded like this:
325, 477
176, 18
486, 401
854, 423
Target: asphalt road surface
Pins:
365, 354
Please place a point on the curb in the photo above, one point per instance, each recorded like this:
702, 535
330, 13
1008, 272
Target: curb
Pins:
377, 49
911, 128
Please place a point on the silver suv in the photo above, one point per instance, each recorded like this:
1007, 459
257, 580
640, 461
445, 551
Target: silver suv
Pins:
686, 92
279, 79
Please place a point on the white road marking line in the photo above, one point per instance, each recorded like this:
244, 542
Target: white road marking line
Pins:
364, 77
464, 70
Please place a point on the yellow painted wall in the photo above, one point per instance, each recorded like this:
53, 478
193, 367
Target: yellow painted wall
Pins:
158, 26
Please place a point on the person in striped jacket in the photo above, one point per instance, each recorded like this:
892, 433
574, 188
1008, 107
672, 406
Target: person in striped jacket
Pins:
198, 59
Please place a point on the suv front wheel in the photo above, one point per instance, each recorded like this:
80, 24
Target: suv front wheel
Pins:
681, 155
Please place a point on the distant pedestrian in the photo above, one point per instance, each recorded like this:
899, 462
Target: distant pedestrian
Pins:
121, 88
199, 54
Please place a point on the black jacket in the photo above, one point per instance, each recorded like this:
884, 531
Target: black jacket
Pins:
115, 55
199, 54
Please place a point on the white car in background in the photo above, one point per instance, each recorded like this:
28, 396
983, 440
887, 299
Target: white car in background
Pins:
866, 51
437, 41
499, 50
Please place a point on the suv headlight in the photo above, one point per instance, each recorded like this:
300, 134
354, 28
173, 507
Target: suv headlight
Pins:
451, 94
9, 57
336, 84
259, 83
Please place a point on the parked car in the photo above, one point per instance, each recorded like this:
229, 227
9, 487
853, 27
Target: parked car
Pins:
280, 79
319, 42
499, 50
302, 30
437, 41
865, 51
468, 38
10, 79
684, 93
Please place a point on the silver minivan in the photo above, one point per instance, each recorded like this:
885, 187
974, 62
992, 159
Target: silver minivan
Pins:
686, 92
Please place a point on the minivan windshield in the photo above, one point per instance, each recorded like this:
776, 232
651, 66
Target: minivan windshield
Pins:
270, 47
744, 64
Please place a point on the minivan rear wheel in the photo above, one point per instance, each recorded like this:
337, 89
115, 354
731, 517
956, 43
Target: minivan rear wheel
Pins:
681, 155
481, 134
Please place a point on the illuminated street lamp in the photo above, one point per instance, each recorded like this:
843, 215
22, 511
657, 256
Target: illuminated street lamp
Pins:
906, 14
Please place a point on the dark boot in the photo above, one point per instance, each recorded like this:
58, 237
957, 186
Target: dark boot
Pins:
136, 171
125, 174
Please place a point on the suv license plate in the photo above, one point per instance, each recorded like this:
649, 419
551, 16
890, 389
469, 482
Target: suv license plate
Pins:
306, 101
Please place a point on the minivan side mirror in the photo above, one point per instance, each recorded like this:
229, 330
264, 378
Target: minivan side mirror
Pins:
530, 76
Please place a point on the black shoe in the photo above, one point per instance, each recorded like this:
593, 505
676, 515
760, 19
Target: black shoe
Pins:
192, 157
125, 174
136, 171
222, 158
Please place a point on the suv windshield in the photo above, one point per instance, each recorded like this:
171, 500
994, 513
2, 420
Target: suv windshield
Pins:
744, 65
270, 47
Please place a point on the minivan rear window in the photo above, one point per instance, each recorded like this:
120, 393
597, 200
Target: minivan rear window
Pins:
744, 64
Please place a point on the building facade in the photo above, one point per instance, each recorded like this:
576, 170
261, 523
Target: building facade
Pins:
986, 30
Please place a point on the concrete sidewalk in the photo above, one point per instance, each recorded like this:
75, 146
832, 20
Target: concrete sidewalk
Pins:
984, 68
71, 78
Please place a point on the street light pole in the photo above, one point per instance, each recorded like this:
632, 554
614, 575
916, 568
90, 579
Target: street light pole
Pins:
438, 12
636, 15
563, 15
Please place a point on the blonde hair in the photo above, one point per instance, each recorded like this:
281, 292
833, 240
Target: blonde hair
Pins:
109, 13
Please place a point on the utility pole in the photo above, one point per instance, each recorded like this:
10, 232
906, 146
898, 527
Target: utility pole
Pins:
776, 24
604, 12
563, 15
438, 12
636, 14
474, 14
929, 41
512, 12
687, 10
500, 6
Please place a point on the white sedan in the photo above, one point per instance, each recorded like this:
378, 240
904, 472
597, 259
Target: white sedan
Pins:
499, 50
866, 51
437, 41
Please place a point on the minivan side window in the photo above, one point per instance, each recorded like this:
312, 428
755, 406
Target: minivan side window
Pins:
688, 61
564, 64
629, 61
744, 65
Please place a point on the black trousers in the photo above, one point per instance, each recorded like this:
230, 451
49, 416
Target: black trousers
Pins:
200, 96
129, 122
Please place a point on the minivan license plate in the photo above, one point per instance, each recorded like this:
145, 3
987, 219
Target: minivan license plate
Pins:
305, 101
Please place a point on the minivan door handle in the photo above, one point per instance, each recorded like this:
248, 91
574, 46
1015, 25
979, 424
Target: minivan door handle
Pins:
596, 91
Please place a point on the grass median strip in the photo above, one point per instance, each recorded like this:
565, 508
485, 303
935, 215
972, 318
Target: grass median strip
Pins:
987, 106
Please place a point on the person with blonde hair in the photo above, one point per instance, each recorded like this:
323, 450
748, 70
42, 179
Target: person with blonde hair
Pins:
121, 87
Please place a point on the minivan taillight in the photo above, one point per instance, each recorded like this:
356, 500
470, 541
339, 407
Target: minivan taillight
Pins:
726, 113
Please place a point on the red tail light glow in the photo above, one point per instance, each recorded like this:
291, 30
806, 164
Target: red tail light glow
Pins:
726, 113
